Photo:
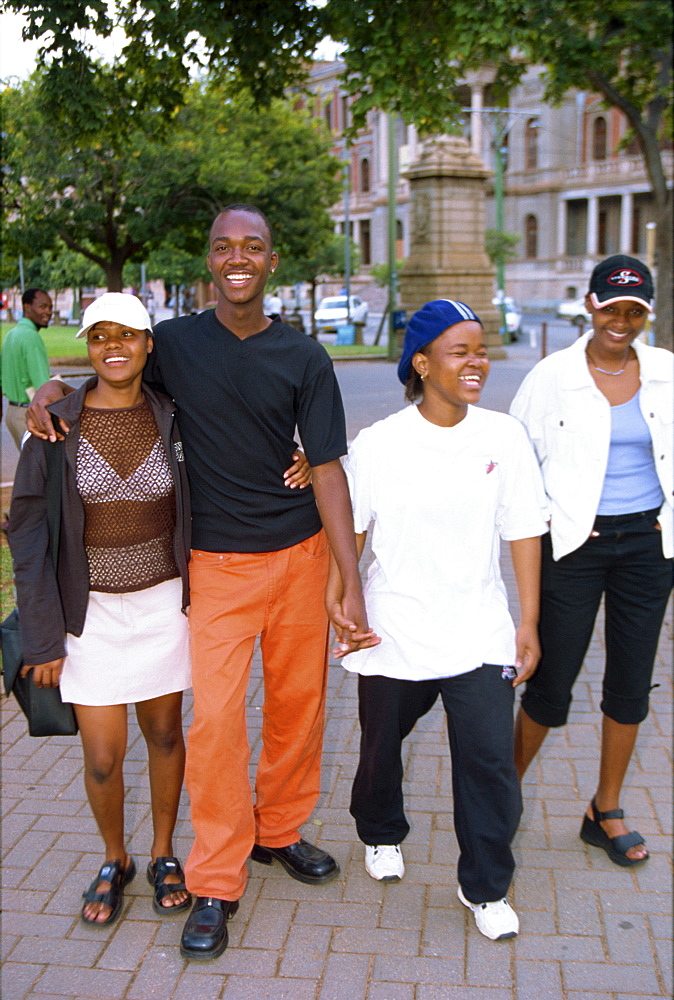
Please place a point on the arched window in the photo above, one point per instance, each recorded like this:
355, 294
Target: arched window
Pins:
531, 236
327, 114
531, 144
599, 139
365, 174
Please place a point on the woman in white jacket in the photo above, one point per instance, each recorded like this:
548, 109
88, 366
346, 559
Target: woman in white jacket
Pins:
599, 415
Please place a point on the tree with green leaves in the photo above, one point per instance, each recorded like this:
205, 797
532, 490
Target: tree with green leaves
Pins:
132, 190
408, 56
324, 262
404, 56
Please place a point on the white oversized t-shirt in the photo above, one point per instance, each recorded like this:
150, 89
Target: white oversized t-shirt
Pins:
439, 500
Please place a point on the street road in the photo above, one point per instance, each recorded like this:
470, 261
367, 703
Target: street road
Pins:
371, 389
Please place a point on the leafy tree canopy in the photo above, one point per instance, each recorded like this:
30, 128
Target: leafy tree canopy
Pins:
404, 56
401, 55
118, 195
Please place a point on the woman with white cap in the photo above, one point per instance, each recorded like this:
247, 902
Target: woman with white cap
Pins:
441, 482
106, 625
599, 415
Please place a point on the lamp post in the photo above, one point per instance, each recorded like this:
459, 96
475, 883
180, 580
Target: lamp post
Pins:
347, 229
498, 199
499, 122
392, 276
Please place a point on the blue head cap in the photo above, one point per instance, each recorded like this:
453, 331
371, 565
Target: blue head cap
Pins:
427, 324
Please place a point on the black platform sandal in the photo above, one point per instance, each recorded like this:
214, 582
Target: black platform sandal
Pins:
156, 874
113, 873
616, 847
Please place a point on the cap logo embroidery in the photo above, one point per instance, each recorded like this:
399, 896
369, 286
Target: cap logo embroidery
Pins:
624, 276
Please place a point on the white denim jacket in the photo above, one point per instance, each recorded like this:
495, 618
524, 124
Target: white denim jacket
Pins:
569, 423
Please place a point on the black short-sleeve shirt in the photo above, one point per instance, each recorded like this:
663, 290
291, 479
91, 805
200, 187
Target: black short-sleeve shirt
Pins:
239, 402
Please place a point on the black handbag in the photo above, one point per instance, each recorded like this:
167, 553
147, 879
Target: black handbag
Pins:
47, 715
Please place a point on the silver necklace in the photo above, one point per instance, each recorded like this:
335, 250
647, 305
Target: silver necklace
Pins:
603, 370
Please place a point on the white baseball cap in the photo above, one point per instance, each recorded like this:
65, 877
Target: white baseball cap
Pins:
115, 307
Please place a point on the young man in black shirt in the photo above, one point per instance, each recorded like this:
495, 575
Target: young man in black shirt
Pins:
242, 383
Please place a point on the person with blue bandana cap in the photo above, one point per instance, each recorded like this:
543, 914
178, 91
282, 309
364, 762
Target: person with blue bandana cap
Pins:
441, 483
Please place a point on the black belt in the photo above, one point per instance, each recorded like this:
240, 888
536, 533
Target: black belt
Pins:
18, 404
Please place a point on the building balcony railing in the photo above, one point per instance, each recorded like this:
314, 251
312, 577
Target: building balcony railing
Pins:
618, 170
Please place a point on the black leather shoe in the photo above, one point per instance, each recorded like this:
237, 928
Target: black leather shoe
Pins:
205, 932
303, 861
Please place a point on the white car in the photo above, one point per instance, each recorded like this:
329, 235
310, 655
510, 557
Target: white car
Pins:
574, 310
332, 312
513, 315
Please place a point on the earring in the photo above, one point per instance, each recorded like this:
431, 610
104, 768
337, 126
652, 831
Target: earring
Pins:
422, 377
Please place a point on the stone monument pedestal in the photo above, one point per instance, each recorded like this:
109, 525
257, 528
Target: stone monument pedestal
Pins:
447, 257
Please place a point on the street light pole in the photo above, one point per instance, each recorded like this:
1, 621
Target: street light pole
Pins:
347, 229
392, 276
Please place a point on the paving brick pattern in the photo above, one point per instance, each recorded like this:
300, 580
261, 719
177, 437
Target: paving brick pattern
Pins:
589, 930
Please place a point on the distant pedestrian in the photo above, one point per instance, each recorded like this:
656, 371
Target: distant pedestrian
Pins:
25, 366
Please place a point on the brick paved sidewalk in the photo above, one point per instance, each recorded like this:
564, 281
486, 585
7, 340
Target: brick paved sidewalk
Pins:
589, 930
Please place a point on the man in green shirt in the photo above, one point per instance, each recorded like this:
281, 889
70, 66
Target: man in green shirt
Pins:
24, 359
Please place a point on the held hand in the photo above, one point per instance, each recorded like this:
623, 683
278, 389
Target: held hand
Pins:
299, 474
352, 630
528, 652
45, 674
38, 418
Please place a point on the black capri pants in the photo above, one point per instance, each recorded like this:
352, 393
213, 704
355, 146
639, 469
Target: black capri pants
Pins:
622, 559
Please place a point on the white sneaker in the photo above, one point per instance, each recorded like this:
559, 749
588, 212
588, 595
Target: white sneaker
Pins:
384, 862
497, 921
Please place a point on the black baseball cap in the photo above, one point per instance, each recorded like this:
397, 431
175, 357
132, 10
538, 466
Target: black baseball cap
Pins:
621, 277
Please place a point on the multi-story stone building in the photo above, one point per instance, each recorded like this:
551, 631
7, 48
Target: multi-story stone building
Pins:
575, 188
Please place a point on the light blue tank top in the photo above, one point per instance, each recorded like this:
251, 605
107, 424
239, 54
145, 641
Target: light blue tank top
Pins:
631, 483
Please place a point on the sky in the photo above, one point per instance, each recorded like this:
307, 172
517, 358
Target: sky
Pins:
17, 58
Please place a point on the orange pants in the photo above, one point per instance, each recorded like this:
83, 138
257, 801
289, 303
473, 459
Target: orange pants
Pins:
236, 597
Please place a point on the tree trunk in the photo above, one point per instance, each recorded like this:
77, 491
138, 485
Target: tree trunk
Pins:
664, 313
113, 273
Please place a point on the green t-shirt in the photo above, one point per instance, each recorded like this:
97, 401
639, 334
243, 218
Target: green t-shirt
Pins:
24, 361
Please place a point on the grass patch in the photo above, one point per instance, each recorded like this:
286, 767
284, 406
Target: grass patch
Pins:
61, 344
354, 350
6, 584
59, 340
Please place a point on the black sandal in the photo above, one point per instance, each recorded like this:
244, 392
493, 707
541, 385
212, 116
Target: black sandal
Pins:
113, 873
156, 873
616, 847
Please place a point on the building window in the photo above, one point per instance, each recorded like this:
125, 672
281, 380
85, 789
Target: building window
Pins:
346, 117
365, 174
599, 139
531, 236
327, 114
576, 226
531, 144
365, 252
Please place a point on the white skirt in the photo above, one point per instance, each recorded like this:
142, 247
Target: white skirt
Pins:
134, 647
